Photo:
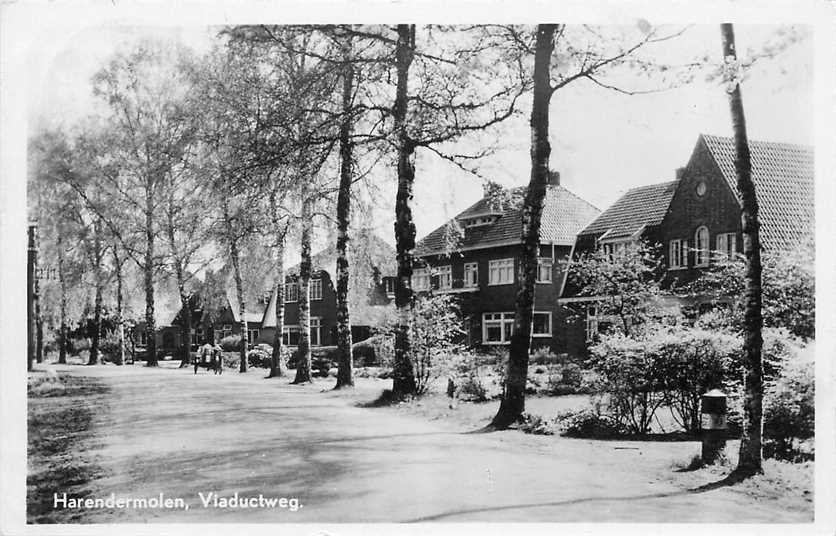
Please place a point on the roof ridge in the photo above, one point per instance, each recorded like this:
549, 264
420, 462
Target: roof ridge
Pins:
761, 142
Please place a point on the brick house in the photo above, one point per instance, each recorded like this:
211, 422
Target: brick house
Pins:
370, 293
476, 257
697, 216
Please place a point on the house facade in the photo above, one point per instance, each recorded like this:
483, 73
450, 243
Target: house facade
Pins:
476, 257
695, 219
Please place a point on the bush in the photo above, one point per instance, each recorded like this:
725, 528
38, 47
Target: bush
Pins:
364, 353
109, 348
534, 424
590, 424
232, 343
260, 357
789, 413
543, 356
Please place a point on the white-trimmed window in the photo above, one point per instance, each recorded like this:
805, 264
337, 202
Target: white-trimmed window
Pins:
501, 272
677, 254
701, 246
227, 330
291, 293
290, 335
389, 282
544, 270
421, 279
252, 336
316, 331
445, 277
541, 326
497, 328
316, 289
727, 244
471, 274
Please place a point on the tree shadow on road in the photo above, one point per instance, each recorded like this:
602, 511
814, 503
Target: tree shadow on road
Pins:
569, 502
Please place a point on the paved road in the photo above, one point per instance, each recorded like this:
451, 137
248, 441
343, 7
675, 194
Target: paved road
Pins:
169, 431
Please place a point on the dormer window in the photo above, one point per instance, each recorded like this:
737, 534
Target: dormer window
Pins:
480, 221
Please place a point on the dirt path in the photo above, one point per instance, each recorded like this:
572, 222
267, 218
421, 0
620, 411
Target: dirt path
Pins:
169, 431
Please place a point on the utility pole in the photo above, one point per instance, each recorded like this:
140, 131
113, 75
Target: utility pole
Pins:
32, 261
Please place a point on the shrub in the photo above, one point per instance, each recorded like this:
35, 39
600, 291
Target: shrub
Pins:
364, 353
434, 332
543, 356
232, 343
109, 347
590, 424
789, 413
260, 357
534, 424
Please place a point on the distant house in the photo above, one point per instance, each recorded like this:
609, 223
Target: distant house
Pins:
696, 217
228, 321
476, 255
372, 268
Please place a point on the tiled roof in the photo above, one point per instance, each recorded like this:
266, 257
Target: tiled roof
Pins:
254, 313
364, 246
783, 177
564, 214
639, 207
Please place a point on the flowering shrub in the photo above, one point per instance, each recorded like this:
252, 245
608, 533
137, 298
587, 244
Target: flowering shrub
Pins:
590, 424
231, 343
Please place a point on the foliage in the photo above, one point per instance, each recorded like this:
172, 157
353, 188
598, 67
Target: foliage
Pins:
109, 346
590, 424
435, 332
261, 356
789, 412
230, 343
667, 366
788, 286
626, 281
534, 424
543, 356
364, 353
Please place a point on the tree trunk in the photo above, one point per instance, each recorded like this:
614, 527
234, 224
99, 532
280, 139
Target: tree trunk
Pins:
239, 286
277, 366
62, 283
97, 308
751, 441
345, 375
39, 320
303, 361
148, 269
403, 378
513, 397
31, 268
120, 322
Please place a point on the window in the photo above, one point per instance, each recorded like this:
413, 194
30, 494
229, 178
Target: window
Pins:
316, 329
727, 244
497, 328
542, 325
591, 323
252, 336
471, 275
544, 270
390, 286
143, 338
420, 279
501, 272
316, 289
445, 277
227, 330
198, 336
291, 293
290, 335
701, 246
676, 255
218, 335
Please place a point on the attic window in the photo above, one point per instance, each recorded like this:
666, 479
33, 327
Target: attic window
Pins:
482, 220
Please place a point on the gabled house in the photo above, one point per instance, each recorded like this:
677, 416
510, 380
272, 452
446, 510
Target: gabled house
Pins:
228, 321
696, 217
704, 213
370, 299
476, 257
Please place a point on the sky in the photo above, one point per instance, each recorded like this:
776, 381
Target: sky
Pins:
603, 142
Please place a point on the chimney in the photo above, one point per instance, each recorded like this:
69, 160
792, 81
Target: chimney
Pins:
680, 172
554, 178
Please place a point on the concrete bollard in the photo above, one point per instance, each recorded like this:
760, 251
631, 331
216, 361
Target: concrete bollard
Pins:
713, 425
